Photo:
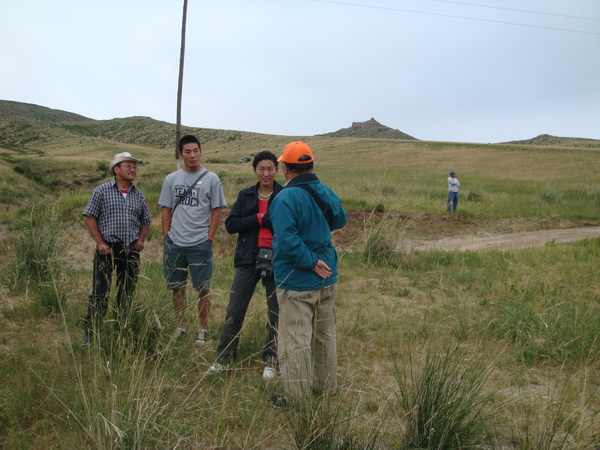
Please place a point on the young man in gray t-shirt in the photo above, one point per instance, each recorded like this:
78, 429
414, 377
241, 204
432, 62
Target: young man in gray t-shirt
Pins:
190, 218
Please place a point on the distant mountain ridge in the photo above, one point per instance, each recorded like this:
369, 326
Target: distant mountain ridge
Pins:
370, 129
22, 124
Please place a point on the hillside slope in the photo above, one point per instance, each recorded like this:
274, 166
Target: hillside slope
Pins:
23, 125
35, 112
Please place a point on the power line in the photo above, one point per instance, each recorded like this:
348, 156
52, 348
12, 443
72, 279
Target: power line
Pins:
517, 10
455, 17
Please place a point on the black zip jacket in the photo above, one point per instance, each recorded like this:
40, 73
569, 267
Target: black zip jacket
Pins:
242, 219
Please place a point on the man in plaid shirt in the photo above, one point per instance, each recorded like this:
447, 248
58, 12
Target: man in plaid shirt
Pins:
118, 219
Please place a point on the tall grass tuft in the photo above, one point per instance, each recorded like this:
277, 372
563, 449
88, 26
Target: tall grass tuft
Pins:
444, 401
126, 402
128, 383
328, 424
549, 196
561, 425
37, 264
560, 330
382, 239
473, 196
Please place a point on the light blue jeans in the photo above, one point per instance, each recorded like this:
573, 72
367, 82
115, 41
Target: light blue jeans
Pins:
452, 201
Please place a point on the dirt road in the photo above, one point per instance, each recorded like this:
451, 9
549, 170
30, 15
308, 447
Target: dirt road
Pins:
504, 241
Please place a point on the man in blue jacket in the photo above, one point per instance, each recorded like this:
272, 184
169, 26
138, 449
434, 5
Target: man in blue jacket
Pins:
305, 265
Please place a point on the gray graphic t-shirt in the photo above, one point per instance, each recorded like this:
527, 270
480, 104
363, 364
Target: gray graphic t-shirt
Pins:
190, 222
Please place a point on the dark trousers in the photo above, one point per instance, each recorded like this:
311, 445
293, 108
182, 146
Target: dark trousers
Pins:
242, 289
125, 262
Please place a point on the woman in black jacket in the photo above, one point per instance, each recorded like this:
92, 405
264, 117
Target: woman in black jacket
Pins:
249, 217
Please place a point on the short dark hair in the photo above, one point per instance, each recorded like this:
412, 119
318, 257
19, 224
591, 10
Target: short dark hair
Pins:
262, 156
299, 168
188, 139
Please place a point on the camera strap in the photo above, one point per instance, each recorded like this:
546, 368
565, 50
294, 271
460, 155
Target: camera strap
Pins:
187, 192
320, 203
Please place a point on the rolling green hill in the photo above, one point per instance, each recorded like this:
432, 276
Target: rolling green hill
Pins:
25, 126
35, 112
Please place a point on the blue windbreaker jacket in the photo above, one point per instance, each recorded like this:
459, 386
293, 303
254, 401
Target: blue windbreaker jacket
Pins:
302, 235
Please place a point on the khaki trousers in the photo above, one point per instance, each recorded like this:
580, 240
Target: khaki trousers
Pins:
307, 343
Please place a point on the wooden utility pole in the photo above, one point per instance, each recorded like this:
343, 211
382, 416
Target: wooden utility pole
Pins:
180, 84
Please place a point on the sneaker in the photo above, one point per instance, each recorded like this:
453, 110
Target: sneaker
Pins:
179, 333
279, 401
216, 367
201, 337
86, 338
269, 373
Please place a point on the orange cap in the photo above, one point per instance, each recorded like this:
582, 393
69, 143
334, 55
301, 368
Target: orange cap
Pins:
293, 153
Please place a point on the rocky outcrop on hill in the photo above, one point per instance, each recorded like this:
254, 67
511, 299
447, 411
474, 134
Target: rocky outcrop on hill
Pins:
542, 139
370, 129
549, 140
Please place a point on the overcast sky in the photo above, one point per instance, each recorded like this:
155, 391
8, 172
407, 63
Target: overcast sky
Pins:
468, 71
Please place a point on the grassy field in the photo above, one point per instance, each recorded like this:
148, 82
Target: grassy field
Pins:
436, 349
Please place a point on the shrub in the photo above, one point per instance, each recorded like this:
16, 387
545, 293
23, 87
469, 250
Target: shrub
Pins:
102, 167
354, 204
379, 208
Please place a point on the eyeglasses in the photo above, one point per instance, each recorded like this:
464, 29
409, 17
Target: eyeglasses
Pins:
128, 166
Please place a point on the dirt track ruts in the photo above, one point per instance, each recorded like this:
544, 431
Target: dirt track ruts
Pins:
504, 241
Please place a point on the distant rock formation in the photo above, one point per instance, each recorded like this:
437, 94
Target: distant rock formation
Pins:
370, 129
556, 141
542, 139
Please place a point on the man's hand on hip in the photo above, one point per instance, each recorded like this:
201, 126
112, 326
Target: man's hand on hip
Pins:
322, 270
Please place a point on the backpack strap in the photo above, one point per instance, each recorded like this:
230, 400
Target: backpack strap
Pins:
320, 203
187, 192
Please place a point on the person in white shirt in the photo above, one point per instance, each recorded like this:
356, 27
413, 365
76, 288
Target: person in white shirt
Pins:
453, 185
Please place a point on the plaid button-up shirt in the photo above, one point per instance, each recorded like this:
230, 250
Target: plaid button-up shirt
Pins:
119, 219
